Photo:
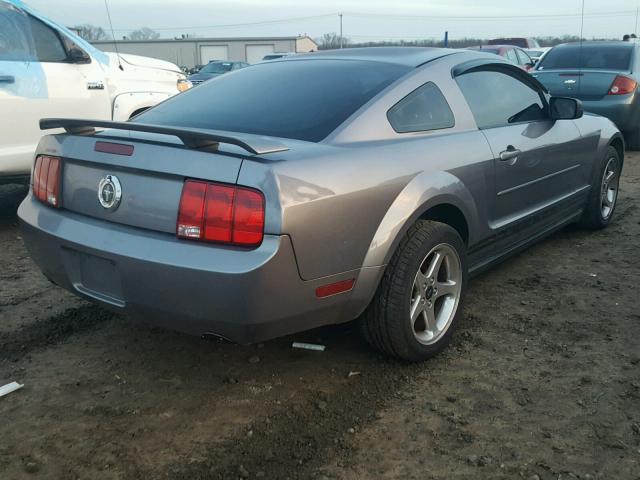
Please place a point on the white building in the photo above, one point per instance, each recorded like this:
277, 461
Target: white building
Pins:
199, 51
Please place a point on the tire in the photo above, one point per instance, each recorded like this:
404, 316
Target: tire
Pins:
598, 212
387, 324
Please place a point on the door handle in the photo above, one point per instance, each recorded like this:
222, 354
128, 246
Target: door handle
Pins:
7, 79
511, 153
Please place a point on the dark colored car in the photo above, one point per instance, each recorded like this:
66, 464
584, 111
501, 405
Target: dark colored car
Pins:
604, 75
195, 69
521, 42
214, 69
313, 190
277, 56
515, 55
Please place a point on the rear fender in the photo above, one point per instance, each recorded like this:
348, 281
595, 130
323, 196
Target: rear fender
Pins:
421, 194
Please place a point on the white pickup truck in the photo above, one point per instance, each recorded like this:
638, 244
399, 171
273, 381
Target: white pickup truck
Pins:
48, 71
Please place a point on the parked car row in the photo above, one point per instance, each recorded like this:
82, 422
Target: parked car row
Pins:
512, 54
214, 69
602, 75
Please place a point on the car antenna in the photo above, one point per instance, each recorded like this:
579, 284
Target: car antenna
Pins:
115, 43
579, 51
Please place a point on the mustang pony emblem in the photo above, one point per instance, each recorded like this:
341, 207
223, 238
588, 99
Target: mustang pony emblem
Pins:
109, 192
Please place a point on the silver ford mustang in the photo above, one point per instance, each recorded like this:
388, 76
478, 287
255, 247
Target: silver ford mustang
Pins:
317, 189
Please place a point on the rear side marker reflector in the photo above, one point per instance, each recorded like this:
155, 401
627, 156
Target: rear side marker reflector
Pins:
46, 180
115, 148
214, 212
335, 288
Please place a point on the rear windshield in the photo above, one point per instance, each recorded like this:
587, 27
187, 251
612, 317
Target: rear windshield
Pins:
518, 42
304, 100
597, 57
217, 67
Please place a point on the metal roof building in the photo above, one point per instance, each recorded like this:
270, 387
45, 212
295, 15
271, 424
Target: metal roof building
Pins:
199, 51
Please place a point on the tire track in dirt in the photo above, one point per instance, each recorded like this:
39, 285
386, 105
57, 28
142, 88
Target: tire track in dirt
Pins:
50, 331
293, 444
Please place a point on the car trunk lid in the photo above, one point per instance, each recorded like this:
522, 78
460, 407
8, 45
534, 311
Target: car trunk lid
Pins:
146, 165
150, 178
581, 84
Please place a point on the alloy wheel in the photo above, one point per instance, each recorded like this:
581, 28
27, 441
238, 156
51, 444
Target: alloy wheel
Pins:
435, 294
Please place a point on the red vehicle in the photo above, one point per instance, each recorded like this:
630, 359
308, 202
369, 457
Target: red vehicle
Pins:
515, 55
517, 41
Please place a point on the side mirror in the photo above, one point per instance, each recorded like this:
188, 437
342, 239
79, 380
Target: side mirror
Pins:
565, 108
77, 55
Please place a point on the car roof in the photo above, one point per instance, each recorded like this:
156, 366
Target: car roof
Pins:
604, 43
493, 47
408, 56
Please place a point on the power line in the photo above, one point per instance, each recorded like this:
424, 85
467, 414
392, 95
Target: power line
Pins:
493, 17
247, 24
397, 17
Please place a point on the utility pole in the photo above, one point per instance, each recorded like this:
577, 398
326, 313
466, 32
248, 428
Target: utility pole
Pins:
340, 15
446, 39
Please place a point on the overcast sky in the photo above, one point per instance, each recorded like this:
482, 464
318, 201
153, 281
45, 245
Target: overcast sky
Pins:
363, 19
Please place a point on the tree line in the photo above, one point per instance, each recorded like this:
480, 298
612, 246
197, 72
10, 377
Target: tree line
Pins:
92, 33
330, 41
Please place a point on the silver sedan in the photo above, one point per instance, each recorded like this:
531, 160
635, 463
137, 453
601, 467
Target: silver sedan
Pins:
318, 189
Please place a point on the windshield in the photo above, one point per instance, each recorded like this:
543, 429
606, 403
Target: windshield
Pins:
597, 57
304, 100
217, 67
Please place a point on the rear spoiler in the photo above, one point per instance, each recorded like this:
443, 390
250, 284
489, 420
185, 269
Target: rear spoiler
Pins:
191, 137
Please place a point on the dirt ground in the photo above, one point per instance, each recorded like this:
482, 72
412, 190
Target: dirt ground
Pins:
542, 381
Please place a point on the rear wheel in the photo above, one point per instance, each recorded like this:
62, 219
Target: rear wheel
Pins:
419, 300
603, 196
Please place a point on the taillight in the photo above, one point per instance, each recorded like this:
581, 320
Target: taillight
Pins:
213, 212
622, 85
46, 180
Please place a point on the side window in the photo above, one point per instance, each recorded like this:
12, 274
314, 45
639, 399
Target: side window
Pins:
497, 99
523, 58
48, 45
15, 42
423, 109
512, 57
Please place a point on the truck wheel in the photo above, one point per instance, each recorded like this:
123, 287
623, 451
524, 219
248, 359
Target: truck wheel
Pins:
603, 196
419, 300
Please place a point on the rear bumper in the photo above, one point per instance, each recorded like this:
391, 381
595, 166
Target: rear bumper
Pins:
623, 110
244, 296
